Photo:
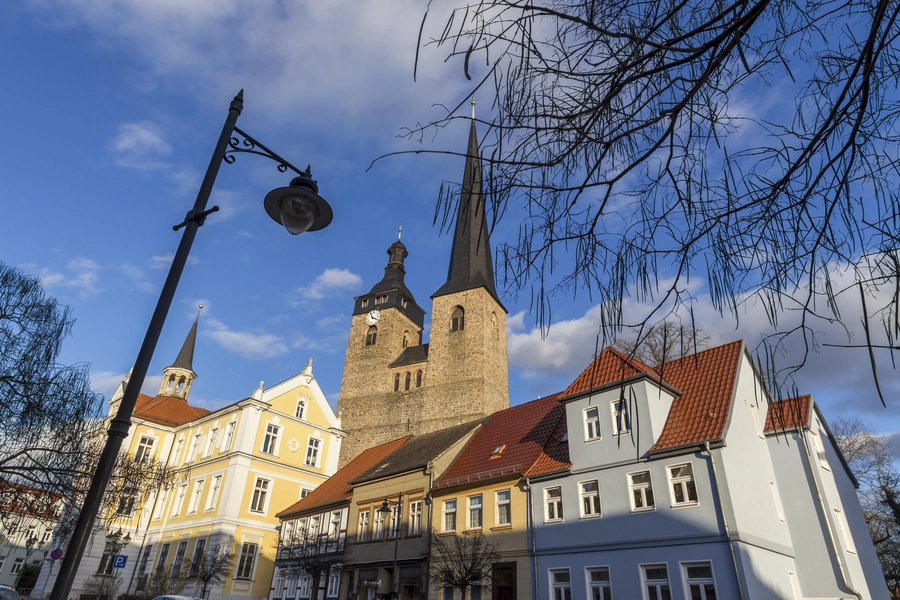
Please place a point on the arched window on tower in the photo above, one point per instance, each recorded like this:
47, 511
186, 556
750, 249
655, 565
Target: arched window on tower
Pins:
171, 383
458, 319
419, 378
397, 382
406, 386
180, 385
371, 334
405, 339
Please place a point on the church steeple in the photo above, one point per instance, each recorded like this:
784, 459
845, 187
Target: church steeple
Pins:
391, 291
470, 258
178, 377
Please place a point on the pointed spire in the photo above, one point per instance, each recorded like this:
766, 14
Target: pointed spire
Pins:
471, 265
185, 358
394, 272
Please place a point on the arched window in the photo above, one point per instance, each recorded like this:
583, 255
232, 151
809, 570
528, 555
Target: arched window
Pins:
405, 339
301, 409
419, 378
458, 319
397, 382
180, 384
406, 386
171, 382
371, 334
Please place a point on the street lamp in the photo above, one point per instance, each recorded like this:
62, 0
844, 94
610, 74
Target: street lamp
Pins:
386, 510
29, 550
298, 207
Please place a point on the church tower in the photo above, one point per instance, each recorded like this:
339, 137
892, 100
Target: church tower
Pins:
178, 377
396, 385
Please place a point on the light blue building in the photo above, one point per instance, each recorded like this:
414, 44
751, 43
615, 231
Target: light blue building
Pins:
691, 482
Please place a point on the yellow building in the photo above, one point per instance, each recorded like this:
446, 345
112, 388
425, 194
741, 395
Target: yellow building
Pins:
235, 467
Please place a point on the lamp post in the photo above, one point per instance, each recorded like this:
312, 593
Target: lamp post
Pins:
297, 207
387, 510
29, 550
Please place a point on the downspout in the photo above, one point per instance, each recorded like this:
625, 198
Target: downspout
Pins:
737, 571
823, 508
430, 470
531, 549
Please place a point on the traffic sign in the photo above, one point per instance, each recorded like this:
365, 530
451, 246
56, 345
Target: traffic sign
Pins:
56, 554
119, 561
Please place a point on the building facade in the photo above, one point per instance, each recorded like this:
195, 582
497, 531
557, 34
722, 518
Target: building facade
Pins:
28, 517
232, 469
395, 383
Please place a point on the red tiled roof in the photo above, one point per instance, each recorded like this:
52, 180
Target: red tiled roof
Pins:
706, 380
611, 366
28, 500
555, 453
167, 410
337, 487
521, 430
790, 413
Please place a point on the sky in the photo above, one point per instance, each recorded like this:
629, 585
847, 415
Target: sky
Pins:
118, 105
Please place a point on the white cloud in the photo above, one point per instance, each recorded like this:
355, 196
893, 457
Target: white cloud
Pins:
83, 276
249, 344
330, 281
140, 146
165, 260
106, 382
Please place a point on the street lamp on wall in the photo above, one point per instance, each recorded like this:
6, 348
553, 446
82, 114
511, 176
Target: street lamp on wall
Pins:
298, 207
386, 510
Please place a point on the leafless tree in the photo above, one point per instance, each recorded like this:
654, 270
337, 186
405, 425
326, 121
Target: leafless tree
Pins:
642, 144
307, 552
161, 583
209, 568
463, 560
103, 587
663, 342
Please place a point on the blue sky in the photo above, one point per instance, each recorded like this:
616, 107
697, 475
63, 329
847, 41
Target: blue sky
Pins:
111, 111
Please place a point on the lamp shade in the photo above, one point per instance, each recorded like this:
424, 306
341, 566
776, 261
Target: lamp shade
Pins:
299, 207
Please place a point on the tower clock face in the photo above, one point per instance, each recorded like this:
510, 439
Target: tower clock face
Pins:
373, 317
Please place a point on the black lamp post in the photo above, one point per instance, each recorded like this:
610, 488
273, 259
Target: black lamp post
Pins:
298, 207
387, 510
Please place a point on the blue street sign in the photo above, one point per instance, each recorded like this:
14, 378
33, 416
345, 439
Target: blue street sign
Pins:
119, 561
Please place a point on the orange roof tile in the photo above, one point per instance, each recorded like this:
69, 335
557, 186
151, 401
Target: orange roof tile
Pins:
167, 410
706, 380
555, 453
789, 413
611, 366
337, 487
521, 431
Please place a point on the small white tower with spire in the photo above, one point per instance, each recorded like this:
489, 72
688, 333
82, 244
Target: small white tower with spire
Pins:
178, 377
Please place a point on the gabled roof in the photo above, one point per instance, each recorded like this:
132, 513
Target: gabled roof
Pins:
411, 355
790, 413
337, 487
419, 451
167, 410
555, 453
611, 366
706, 380
520, 431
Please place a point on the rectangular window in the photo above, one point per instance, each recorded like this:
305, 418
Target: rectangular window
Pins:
125, 507
475, 590
475, 512
211, 442
304, 492
621, 418
161, 503
553, 504
820, 448
145, 450
163, 557
795, 585
179, 558
447, 592
195, 497
229, 436
378, 534
362, 527
394, 530
334, 585
305, 585
214, 493
840, 520
177, 451
698, 578
271, 439
656, 582
684, 490
504, 516
598, 580
779, 507
145, 559
246, 561
312, 452
450, 515
560, 584
179, 500
334, 527
590, 498
415, 518
195, 446
260, 491
592, 423
199, 554
641, 491
757, 422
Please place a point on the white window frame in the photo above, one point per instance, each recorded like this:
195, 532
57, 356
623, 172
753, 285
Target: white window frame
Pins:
259, 501
270, 439
553, 507
757, 421
178, 444
230, 430
475, 512
589, 499
414, 527
501, 504
449, 509
249, 551
144, 452
645, 581
378, 532
605, 586
619, 409
592, 430
334, 585
779, 506
213, 496
362, 526
843, 527
195, 447
683, 481
211, 441
161, 504
179, 500
698, 581
300, 410
820, 448
305, 587
560, 590
393, 529
795, 585
334, 525
643, 488
178, 561
195, 496
312, 451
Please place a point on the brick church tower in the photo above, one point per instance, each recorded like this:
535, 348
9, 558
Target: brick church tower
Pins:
394, 384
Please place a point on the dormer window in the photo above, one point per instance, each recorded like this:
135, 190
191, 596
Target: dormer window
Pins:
381, 299
498, 451
364, 303
458, 319
371, 334
403, 302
